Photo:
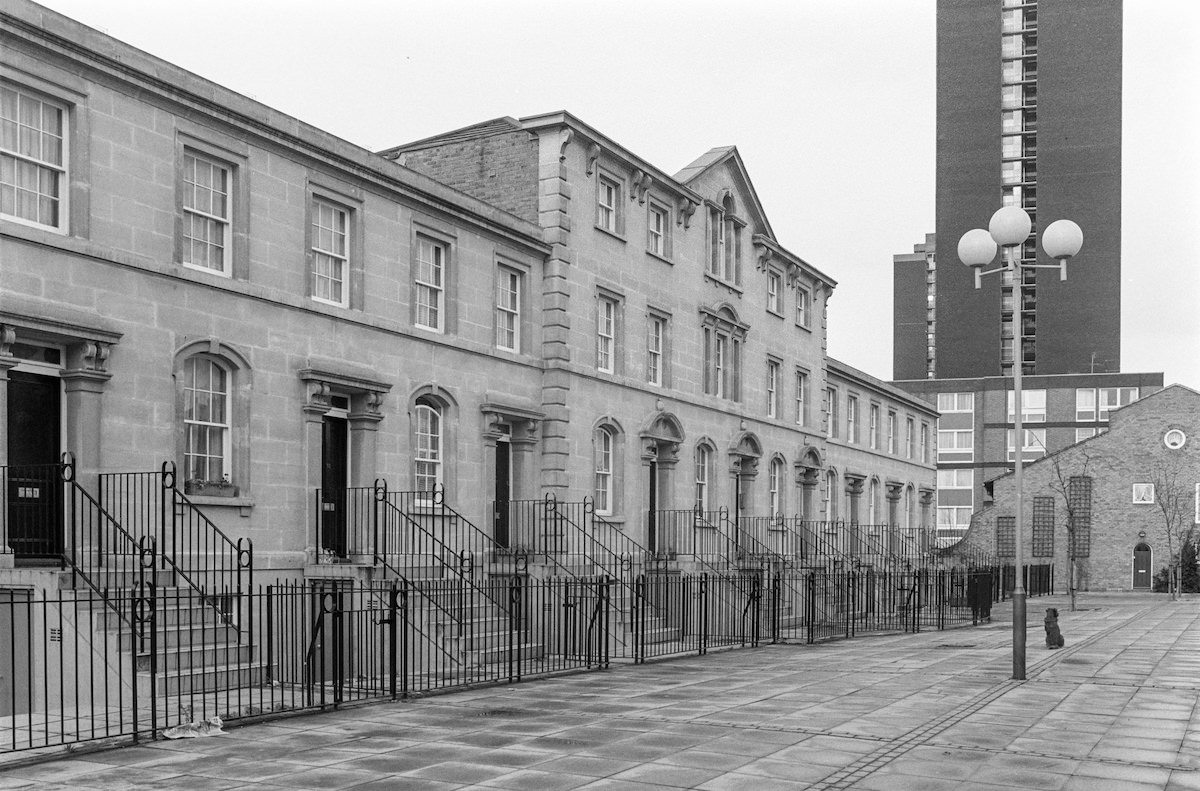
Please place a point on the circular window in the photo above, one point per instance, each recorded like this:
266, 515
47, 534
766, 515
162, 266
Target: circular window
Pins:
1174, 439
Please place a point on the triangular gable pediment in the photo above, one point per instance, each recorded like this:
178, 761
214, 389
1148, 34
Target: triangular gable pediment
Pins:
719, 176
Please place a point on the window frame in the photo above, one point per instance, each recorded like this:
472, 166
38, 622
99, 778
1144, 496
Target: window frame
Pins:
607, 330
225, 427
603, 456
1142, 494
616, 209
1104, 408
775, 289
831, 412
803, 397
1085, 412
703, 460
421, 286
508, 317
426, 405
1033, 406
658, 373
187, 213
315, 252
852, 418
1039, 447
723, 342
776, 476
654, 210
803, 307
240, 385
774, 371
61, 170
873, 429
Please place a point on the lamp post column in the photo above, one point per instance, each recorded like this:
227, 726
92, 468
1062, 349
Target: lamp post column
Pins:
1018, 597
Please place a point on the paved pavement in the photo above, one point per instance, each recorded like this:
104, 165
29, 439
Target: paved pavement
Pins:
1115, 709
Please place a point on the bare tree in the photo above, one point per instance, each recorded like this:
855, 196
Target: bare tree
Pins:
1172, 497
1065, 472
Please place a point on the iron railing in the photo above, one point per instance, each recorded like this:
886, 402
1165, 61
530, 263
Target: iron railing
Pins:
48, 516
73, 671
195, 550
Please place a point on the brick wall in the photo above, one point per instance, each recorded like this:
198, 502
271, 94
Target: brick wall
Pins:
1131, 452
500, 169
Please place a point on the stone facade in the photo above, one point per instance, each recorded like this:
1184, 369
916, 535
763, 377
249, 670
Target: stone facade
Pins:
711, 268
105, 302
1127, 542
539, 313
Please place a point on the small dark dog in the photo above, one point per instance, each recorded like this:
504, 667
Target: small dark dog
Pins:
1054, 638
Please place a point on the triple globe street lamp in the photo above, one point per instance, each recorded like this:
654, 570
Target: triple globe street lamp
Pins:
1009, 228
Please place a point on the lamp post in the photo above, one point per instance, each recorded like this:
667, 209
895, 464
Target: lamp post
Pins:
1009, 228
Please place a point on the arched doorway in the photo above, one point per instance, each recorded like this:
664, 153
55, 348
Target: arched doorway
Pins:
1142, 559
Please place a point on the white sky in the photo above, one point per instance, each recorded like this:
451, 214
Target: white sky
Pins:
831, 104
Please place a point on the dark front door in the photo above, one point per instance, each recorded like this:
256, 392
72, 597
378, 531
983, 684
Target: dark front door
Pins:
652, 513
35, 522
1141, 567
334, 480
503, 494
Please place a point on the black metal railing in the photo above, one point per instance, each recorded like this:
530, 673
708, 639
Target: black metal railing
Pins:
175, 664
49, 516
191, 546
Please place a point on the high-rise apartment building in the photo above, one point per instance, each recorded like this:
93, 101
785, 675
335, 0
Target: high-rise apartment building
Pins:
1028, 114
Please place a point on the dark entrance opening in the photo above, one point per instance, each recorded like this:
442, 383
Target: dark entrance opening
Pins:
334, 480
652, 512
503, 494
1141, 567
35, 506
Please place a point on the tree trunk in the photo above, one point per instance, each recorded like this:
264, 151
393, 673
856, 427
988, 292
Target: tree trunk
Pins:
1071, 581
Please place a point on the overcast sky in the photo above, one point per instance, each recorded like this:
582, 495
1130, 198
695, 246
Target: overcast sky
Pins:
830, 103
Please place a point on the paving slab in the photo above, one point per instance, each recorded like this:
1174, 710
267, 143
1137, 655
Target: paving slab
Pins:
1115, 709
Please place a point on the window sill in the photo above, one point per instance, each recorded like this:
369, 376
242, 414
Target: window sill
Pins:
244, 503
775, 313
614, 234
660, 257
734, 287
207, 270
805, 327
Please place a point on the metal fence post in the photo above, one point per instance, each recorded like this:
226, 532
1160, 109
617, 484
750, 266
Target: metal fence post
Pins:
810, 606
393, 626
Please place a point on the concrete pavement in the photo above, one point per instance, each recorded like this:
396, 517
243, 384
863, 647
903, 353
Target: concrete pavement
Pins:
1115, 709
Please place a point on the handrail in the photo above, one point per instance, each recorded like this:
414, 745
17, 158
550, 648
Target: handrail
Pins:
417, 627
101, 553
191, 545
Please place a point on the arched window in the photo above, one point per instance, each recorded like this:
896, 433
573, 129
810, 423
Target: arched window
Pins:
704, 462
428, 457
206, 419
775, 486
602, 453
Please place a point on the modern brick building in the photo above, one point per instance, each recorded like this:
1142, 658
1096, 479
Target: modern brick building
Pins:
975, 435
1028, 114
1117, 484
